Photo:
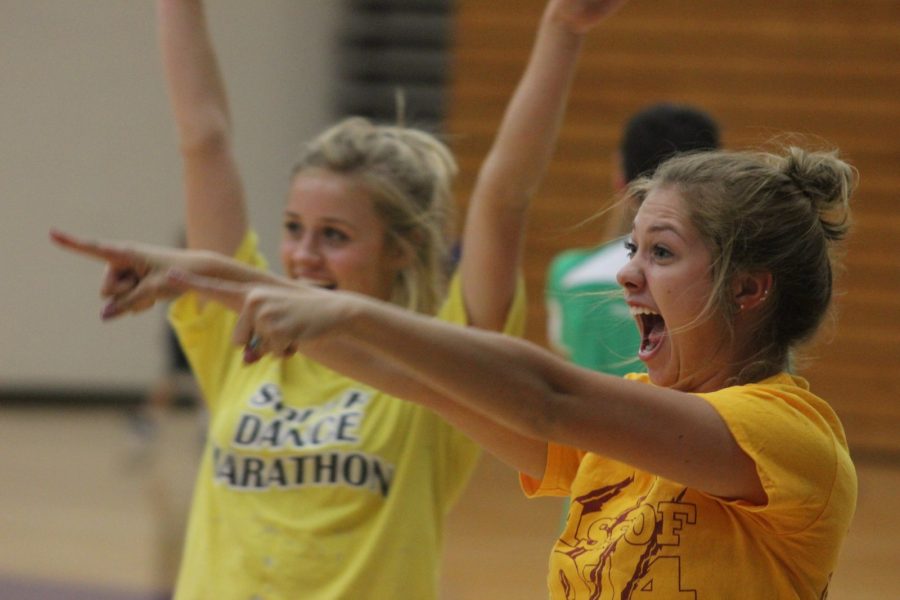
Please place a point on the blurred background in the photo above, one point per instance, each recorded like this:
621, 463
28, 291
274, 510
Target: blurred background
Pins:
91, 504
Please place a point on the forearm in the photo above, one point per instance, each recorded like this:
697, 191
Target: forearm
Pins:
196, 90
355, 360
531, 123
213, 264
539, 396
496, 218
215, 214
496, 376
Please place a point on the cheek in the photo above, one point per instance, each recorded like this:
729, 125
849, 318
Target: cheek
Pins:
357, 264
285, 250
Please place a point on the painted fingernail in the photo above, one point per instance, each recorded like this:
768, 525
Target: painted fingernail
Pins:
108, 312
250, 356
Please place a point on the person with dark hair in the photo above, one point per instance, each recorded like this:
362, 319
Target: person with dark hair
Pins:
658, 132
587, 320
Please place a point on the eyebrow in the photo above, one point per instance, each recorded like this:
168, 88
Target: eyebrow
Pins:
660, 228
328, 220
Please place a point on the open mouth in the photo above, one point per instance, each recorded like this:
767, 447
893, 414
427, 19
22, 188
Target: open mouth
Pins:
652, 327
325, 285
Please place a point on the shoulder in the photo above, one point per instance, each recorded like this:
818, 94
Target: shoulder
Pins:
796, 441
786, 395
454, 310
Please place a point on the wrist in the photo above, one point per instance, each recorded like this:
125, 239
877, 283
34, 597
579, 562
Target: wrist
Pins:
560, 20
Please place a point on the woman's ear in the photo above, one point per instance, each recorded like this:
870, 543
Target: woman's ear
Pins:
402, 252
751, 289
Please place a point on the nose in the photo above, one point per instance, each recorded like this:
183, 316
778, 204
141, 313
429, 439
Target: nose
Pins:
305, 250
630, 276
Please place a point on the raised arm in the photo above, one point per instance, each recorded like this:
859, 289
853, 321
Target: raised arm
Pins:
510, 175
216, 215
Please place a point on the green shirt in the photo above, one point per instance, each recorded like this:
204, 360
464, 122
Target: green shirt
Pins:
588, 320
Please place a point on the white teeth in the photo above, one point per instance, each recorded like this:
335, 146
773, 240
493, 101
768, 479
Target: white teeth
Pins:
641, 310
314, 282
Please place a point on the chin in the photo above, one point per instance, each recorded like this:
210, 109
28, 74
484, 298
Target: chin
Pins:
659, 379
657, 370
663, 377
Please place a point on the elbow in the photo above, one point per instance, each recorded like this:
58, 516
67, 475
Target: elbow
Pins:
508, 184
212, 136
542, 417
541, 402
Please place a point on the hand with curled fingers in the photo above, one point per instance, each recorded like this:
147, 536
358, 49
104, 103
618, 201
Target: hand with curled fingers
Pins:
583, 15
274, 318
135, 275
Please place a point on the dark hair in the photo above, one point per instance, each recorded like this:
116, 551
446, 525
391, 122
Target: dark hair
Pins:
657, 132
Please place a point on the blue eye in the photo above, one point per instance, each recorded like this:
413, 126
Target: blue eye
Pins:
661, 252
630, 248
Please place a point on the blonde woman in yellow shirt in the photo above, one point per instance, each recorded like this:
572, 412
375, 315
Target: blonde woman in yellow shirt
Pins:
314, 485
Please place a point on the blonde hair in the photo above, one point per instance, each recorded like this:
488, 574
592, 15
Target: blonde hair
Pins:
762, 212
409, 175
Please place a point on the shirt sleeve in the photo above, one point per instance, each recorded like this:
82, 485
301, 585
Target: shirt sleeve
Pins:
454, 308
562, 466
791, 444
205, 330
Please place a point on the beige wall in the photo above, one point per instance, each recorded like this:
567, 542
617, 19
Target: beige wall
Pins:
88, 146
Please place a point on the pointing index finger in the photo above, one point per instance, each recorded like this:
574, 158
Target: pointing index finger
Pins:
92, 248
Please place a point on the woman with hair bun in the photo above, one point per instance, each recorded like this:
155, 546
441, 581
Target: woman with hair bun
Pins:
718, 473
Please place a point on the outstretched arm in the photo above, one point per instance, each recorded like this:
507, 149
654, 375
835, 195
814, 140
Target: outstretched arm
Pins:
270, 323
521, 452
138, 275
216, 216
530, 396
529, 390
510, 175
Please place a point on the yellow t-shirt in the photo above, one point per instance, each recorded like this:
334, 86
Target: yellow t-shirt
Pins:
312, 485
631, 534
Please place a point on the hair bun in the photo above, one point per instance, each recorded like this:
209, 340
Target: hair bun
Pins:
827, 182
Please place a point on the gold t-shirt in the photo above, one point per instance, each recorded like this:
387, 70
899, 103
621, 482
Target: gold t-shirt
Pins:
631, 534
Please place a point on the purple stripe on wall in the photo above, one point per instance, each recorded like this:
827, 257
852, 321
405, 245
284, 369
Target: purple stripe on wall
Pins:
23, 589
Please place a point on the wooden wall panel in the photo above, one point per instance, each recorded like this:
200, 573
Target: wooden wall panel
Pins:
826, 70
